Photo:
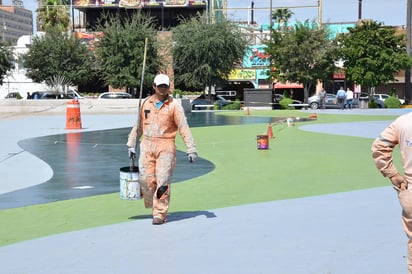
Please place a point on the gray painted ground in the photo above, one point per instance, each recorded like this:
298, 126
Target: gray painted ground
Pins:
352, 232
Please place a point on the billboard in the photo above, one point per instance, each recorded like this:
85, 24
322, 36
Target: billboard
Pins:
256, 56
137, 3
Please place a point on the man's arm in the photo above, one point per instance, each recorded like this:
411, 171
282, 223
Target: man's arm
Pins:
382, 151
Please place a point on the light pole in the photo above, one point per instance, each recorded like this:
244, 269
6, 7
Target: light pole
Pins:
163, 14
360, 10
408, 50
320, 13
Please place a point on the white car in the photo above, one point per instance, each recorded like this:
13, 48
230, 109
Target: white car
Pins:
383, 97
72, 93
115, 95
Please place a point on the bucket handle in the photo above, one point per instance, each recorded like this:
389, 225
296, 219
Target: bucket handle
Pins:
132, 165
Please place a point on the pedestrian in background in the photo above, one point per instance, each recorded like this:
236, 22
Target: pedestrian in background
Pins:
349, 98
341, 96
161, 117
322, 96
399, 133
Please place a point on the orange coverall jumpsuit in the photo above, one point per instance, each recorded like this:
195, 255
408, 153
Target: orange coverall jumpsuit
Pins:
157, 157
398, 133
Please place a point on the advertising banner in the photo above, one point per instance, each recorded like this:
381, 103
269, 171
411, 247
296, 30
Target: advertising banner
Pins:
242, 74
137, 3
256, 56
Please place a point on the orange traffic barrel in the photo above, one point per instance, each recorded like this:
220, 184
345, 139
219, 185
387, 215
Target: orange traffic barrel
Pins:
73, 118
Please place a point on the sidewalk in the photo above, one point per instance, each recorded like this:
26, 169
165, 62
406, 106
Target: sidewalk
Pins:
352, 232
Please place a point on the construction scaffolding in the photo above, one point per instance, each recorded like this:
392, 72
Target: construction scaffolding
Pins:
219, 8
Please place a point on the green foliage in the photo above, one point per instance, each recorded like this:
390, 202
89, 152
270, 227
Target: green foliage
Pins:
6, 61
392, 102
205, 53
373, 54
56, 53
177, 92
284, 103
234, 106
372, 104
54, 15
120, 51
282, 16
304, 54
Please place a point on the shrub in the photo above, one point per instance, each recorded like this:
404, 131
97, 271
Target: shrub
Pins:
284, 103
234, 106
392, 102
178, 92
372, 104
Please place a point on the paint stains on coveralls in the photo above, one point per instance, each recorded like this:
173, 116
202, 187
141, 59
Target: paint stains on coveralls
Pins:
157, 160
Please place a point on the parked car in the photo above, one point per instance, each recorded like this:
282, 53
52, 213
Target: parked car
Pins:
115, 95
36, 95
383, 97
202, 103
51, 95
13, 95
331, 101
44, 95
71, 94
379, 102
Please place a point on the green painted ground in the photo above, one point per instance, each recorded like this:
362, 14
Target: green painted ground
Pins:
298, 164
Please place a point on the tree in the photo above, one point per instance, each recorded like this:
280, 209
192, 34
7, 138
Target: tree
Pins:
282, 16
6, 61
372, 54
120, 50
54, 14
205, 53
304, 54
57, 55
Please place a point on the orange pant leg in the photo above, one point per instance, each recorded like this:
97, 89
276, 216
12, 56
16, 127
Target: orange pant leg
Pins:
405, 199
156, 165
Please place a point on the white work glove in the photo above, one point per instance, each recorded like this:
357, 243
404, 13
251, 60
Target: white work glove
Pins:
192, 157
132, 153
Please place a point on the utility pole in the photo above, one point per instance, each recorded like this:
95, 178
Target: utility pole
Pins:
320, 13
408, 50
360, 10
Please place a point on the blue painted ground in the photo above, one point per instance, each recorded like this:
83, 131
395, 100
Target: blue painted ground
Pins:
352, 232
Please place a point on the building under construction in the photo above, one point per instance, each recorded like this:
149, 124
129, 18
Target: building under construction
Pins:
166, 13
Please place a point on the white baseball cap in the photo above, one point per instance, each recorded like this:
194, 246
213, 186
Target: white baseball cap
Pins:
161, 79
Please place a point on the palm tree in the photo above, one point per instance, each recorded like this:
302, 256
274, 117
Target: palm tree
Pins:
281, 16
54, 14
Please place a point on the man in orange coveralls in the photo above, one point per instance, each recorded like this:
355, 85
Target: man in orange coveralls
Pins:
160, 118
399, 133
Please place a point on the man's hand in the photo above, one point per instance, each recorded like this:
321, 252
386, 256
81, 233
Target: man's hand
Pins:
399, 182
192, 157
132, 153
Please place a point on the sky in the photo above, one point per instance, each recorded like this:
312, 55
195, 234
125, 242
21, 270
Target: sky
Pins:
389, 12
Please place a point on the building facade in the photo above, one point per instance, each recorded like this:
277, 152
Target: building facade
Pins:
15, 21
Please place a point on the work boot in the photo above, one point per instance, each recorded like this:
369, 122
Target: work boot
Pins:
158, 221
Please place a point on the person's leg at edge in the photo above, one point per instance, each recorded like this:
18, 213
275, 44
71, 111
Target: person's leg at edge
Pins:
405, 199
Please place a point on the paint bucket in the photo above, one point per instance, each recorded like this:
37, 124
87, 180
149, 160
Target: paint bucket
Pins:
129, 183
262, 141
